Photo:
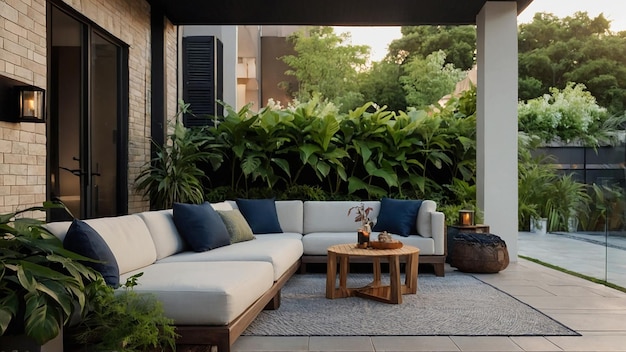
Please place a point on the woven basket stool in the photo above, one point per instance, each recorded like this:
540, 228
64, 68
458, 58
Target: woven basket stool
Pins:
479, 253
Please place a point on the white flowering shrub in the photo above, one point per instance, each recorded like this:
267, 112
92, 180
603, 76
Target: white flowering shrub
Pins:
571, 114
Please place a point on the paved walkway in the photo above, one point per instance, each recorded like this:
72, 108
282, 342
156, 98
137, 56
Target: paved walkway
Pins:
583, 253
595, 311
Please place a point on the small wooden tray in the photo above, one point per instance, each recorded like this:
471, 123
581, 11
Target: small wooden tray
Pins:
394, 244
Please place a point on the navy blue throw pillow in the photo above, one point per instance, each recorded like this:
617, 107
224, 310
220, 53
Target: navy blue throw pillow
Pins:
260, 214
84, 240
201, 226
398, 216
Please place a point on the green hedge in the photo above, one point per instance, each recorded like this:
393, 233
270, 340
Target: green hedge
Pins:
368, 153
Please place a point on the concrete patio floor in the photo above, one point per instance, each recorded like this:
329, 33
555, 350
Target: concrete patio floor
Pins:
595, 311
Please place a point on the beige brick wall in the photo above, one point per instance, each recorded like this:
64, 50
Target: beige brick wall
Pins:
22, 145
22, 165
23, 57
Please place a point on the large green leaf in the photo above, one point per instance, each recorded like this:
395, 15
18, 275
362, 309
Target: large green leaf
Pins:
42, 322
283, 164
388, 174
355, 184
250, 164
8, 309
307, 150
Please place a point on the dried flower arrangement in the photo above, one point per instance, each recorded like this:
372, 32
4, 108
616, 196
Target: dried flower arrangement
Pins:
362, 214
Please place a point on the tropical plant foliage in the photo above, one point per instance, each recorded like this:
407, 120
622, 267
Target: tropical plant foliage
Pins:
367, 153
543, 193
175, 173
42, 285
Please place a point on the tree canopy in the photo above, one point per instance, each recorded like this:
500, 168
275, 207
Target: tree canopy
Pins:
325, 64
458, 42
554, 51
427, 80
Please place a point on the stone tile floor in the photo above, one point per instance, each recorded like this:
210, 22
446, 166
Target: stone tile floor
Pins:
595, 311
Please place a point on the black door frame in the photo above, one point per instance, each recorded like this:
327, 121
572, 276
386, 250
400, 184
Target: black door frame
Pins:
122, 109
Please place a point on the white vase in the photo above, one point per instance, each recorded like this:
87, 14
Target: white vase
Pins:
539, 225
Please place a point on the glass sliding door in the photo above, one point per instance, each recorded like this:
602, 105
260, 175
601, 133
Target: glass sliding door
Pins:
103, 126
87, 169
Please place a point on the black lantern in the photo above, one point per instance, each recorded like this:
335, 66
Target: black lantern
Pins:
31, 104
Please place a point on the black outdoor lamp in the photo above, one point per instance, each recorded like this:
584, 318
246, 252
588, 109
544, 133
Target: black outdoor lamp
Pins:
31, 104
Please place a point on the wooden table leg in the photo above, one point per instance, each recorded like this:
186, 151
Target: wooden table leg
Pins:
395, 286
412, 263
376, 269
331, 273
344, 267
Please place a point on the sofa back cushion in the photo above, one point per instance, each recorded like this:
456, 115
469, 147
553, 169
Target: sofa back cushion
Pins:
127, 236
424, 222
167, 240
332, 216
290, 215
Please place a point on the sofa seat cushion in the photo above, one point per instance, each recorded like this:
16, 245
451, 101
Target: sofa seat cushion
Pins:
205, 293
280, 251
317, 243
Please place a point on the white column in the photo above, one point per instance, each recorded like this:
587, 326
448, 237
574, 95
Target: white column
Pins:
229, 39
496, 133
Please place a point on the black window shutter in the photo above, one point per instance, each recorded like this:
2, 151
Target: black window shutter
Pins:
202, 79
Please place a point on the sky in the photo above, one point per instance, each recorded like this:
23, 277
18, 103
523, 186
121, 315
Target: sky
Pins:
378, 38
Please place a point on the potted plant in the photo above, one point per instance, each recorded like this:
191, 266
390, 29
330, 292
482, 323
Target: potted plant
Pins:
362, 215
42, 285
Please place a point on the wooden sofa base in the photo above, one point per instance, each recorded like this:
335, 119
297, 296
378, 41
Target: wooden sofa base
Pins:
224, 336
438, 262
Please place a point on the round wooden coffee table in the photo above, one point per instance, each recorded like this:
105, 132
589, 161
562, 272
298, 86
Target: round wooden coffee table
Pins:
392, 293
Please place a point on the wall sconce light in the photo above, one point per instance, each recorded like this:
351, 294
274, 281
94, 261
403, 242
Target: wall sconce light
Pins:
31, 104
466, 217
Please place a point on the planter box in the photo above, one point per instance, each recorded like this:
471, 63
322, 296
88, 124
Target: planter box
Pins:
21, 343
539, 226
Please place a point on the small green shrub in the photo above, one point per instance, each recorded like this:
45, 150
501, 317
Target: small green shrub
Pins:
304, 192
124, 321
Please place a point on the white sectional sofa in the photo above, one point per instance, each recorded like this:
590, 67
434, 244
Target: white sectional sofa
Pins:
214, 295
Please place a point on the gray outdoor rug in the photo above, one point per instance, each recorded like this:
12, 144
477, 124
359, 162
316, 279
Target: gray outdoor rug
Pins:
457, 304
